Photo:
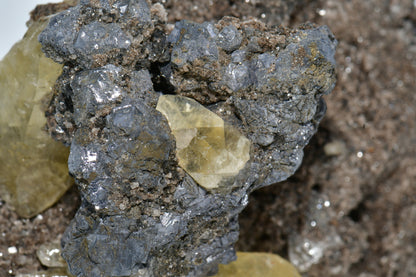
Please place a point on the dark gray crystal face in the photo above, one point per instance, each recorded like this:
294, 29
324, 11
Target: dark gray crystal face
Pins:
60, 42
95, 33
98, 37
229, 38
102, 91
141, 213
192, 41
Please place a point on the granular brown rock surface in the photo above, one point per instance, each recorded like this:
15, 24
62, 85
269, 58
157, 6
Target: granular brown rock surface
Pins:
351, 207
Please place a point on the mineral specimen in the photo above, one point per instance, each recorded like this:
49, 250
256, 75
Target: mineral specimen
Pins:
33, 166
137, 156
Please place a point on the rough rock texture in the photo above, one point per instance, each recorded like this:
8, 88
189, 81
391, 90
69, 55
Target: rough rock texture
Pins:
141, 213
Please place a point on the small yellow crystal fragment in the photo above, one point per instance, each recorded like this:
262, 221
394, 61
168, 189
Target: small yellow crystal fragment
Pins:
49, 254
207, 148
33, 167
258, 265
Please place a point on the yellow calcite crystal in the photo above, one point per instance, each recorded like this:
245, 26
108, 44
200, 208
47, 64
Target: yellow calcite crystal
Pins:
207, 148
33, 167
49, 254
258, 265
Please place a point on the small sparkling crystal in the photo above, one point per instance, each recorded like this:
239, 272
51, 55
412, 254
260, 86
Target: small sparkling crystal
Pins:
49, 255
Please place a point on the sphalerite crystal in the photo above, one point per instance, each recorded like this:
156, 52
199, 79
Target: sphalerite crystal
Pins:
162, 187
211, 151
33, 166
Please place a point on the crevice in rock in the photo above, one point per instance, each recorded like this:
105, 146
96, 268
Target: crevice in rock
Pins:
159, 80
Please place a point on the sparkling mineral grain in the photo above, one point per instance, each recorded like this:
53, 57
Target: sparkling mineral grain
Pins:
171, 130
33, 166
211, 151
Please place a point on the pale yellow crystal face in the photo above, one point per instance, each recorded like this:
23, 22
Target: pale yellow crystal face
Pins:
258, 265
207, 148
33, 167
49, 254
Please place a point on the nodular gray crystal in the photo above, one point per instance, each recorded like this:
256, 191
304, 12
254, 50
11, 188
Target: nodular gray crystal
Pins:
141, 214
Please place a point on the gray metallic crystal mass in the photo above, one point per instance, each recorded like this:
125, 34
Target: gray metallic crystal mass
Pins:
141, 214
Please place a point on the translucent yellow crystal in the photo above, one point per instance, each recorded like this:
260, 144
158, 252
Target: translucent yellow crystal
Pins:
207, 148
33, 167
258, 265
49, 254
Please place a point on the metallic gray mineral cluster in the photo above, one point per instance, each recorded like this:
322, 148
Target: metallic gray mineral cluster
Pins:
142, 214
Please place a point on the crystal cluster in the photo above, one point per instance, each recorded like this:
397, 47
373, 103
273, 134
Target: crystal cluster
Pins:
170, 130
33, 166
